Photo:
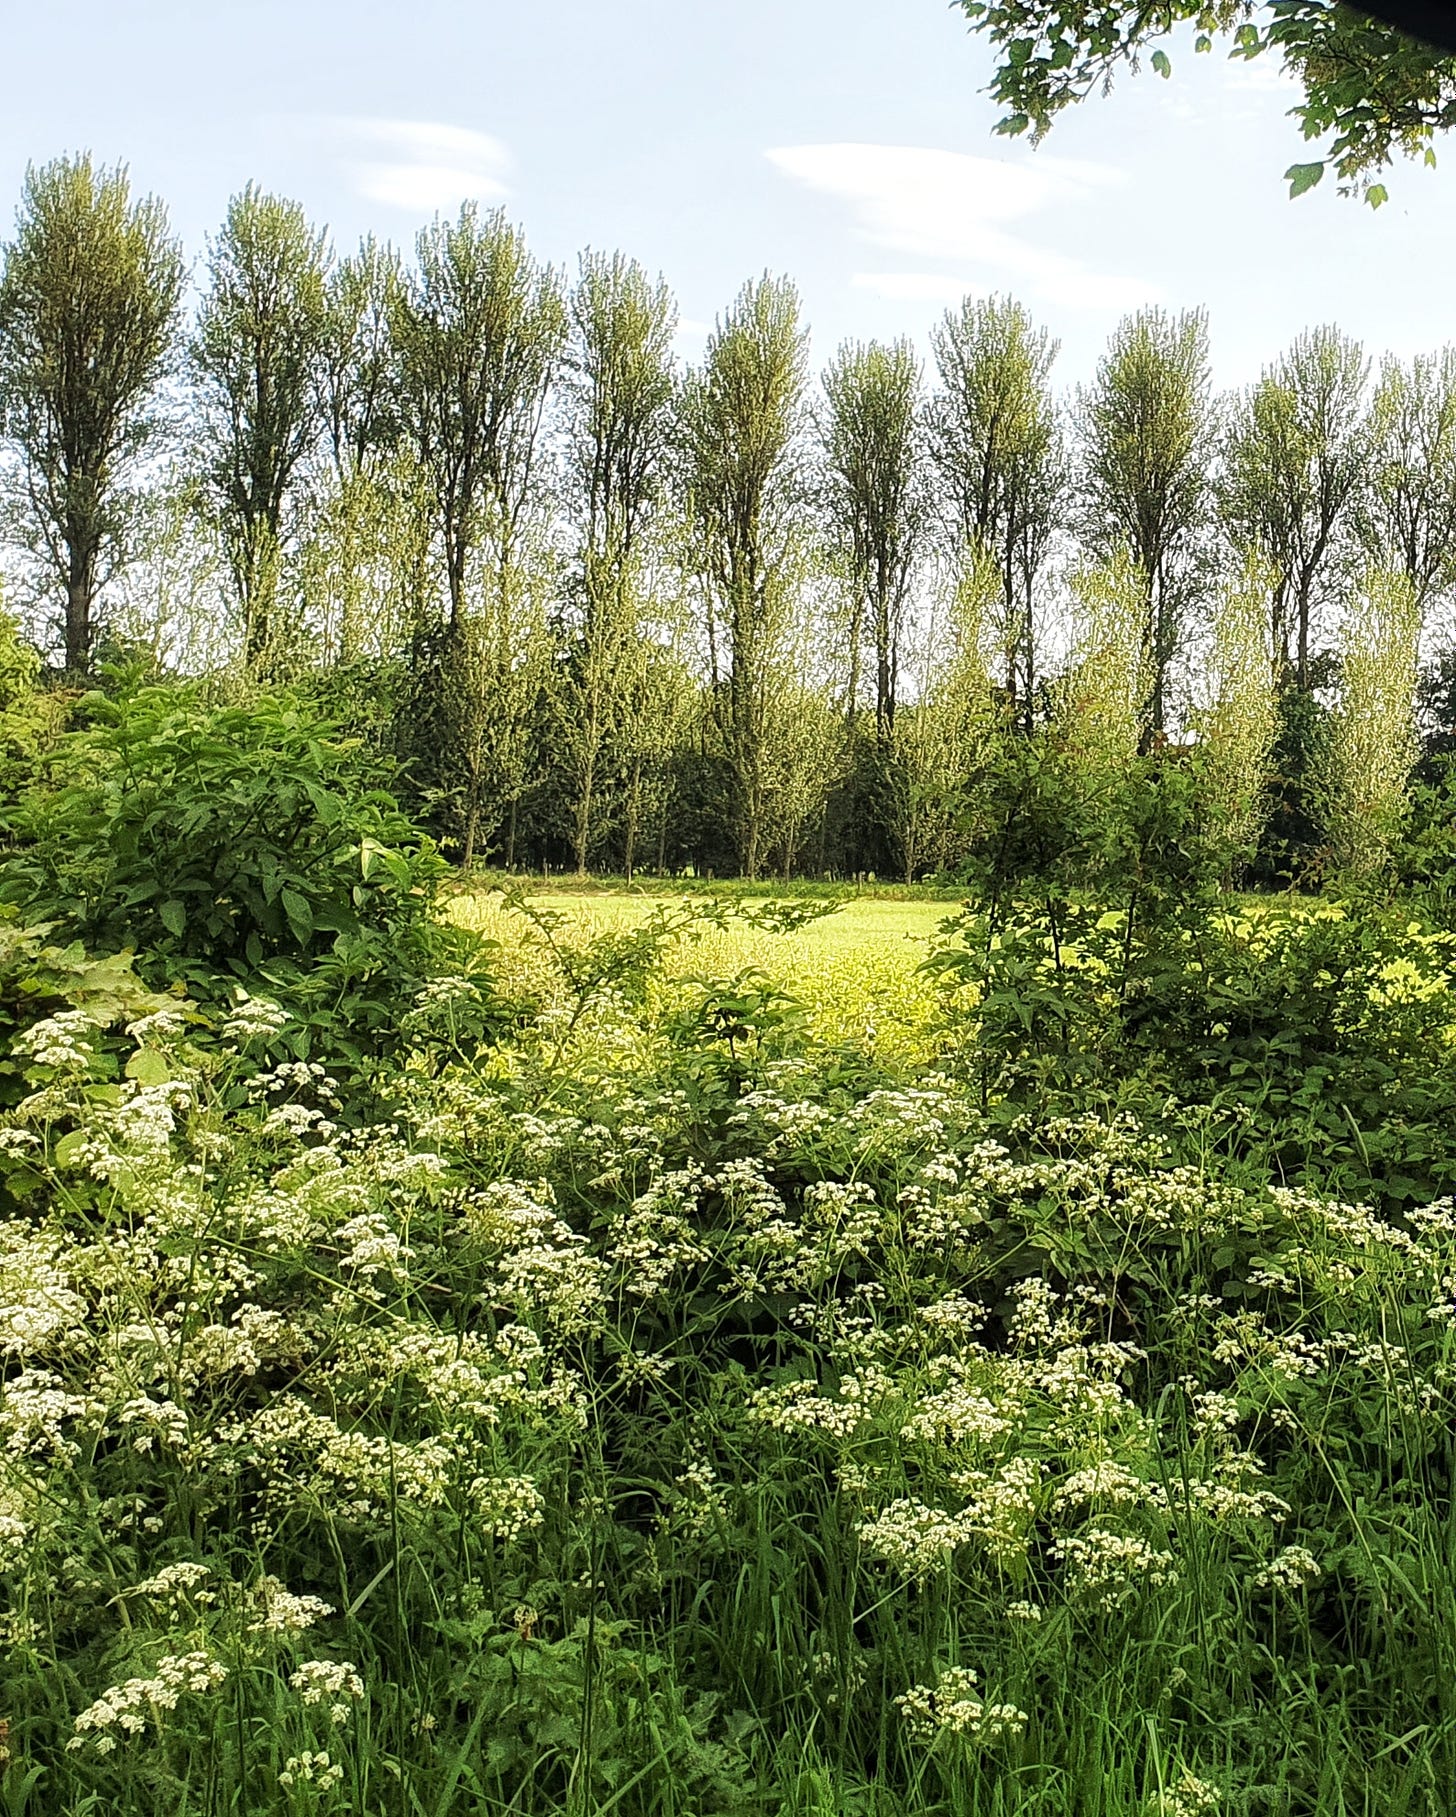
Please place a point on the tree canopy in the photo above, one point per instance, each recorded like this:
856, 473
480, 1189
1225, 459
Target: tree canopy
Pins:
1371, 90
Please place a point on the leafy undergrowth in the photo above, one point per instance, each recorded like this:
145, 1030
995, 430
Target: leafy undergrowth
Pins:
663, 1409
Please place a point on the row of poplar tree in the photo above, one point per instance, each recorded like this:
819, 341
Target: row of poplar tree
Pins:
617, 613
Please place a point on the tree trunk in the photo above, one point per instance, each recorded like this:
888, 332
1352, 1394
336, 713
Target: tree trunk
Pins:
630, 816
78, 625
472, 831
582, 831
260, 593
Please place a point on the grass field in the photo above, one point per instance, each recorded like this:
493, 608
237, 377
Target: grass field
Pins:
856, 970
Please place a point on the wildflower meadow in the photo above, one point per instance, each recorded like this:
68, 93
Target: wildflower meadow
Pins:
629, 1384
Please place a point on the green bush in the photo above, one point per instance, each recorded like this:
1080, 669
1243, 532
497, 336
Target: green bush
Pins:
231, 846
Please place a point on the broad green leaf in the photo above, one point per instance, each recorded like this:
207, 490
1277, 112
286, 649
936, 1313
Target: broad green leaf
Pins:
1302, 177
300, 915
174, 917
70, 1148
148, 1067
1376, 194
1161, 64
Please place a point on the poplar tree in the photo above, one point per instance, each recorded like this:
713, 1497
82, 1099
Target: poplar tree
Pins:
1100, 710
871, 435
618, 395
355, 374
1239, 724
1408, 515
361, 563
998, 448
255, 359
1294, 458
743, 413
88, 322
1145, 423
479, 328
947, 729
1372, 745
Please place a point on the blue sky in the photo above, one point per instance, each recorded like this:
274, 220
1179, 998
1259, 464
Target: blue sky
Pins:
846, 143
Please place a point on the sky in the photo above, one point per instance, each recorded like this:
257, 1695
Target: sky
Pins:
845, 143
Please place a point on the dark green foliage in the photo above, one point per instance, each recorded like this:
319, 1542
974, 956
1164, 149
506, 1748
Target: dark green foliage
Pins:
1293, 849
1436, 714
233, 845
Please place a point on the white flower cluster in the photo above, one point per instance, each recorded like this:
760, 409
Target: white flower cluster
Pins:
543, 1265
1002, 1507
506, 1506
1189, 1796
958, 1412
335, 1682
253, 1019
281, 1612
913, 1537
655, 1241
1289, 1571
952, 1707
1108, 1568
308, 1458
178, 1586
311, 1769
62, 1041
39, 1305
126, 1707
1108, 1483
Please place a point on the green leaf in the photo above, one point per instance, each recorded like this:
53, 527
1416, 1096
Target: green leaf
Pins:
148, 1067
174, 917
1302, 177
300, 915
70, 1148
1377, 194
1161, 64
1202, 43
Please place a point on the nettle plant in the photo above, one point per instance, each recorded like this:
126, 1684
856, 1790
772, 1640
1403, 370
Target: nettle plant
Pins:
234, 846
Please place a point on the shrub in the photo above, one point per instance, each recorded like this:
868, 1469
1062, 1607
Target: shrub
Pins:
231, 845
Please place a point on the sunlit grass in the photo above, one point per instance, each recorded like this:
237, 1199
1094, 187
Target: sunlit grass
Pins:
857, 971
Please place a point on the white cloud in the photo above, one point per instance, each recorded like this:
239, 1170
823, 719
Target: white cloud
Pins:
420, 166
948, 205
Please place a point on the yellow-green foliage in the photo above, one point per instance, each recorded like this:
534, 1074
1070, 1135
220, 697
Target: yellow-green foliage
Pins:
856, 971
1374, 744
1101, 704
1237, 732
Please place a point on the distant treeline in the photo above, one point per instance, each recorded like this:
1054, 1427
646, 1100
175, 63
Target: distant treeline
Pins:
616, 613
